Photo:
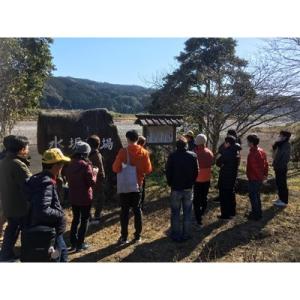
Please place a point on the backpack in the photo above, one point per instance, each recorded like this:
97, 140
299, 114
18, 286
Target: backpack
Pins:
37, 240
127, 178
37, 244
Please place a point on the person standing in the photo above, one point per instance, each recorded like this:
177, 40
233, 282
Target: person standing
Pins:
238, 142
45, 207
81, 179
14, 170
190, 136
202, 184
142, 142
138, 157
232, 132
281, 158
181, 172
2, 217
228, 162
95, 158
257, 172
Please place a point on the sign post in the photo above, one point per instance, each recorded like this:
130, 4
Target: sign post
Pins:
159, 130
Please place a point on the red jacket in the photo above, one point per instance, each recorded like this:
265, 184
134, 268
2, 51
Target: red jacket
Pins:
81, 180
257, 164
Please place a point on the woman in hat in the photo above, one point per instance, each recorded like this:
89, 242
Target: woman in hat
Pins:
191, 141
81, 178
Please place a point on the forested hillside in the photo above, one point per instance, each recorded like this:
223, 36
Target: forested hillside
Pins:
73, 93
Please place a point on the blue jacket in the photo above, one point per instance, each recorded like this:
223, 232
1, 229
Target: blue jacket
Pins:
45, 208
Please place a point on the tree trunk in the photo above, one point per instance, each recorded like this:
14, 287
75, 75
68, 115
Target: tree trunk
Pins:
200, 126
215, 140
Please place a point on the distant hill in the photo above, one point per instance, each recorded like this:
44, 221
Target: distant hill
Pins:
74, 93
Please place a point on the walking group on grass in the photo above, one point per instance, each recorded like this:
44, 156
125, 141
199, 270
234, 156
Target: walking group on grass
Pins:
30, 203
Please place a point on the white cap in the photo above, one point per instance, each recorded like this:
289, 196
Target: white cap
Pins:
200, 139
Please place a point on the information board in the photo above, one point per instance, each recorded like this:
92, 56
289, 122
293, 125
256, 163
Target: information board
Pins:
160, 135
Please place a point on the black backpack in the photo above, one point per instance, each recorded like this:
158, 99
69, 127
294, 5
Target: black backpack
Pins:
37, 243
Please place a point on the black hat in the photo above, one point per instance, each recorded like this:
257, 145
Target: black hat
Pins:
286, 134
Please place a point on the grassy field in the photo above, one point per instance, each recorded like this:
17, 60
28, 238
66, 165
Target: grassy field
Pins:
276, 238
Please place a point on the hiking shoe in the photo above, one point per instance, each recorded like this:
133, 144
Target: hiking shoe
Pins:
122, 241
279, 203
137, 240
82, 247
72, 248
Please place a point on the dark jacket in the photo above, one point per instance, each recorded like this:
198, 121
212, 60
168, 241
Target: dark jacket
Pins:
191, 145
97, 161
45, 208
281, 155
81, 180
3, 154
13, 173
182, 169
228, 161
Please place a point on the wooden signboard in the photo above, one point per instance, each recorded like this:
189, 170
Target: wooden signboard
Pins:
159, 129
159, 135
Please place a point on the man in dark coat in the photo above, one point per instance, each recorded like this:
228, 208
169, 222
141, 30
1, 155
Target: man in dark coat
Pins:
181, 172
14, 170
228, 161
281, 158
2, 217
45, 207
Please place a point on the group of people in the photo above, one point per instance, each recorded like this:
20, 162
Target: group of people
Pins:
32, 200
189, 169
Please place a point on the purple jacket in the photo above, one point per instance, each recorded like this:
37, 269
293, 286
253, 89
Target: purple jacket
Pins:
81, 180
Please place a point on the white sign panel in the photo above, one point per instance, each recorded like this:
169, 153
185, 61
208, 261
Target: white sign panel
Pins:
159, 134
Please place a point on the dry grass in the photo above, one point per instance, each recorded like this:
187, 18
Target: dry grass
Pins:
276, 238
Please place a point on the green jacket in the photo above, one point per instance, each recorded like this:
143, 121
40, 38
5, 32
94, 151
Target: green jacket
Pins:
13, 173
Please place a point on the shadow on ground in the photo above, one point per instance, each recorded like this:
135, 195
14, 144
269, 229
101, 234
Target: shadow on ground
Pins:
239, 235
112, 218
165, 250
160, 250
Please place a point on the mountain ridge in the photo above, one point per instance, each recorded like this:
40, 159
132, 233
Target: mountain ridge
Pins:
79, 93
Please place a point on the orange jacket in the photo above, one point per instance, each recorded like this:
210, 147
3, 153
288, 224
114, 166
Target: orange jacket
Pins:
205, 160
139, 157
